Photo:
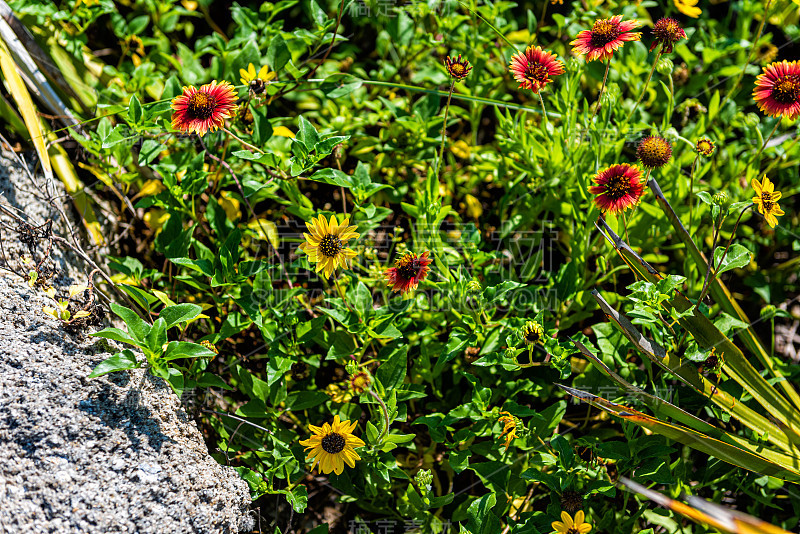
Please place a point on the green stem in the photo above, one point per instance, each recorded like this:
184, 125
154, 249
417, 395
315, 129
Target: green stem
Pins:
544, 113
385, 410
724, 253
444, 137
717, 227
764, 145
599, 100
647, 81
749, 56
243, 142
602, 89
691, 192
772, 330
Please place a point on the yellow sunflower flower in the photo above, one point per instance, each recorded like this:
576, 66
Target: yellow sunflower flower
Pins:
332, 446
326, 243
256, 81
568, 526
250, 74
688, 7
766, 200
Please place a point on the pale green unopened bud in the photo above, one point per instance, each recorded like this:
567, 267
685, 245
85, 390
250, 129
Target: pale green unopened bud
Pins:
768, 311
722, 199
423, 478
751, 120
474, 287
664, 66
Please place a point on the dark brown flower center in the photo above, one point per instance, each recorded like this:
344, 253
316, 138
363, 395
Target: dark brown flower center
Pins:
618, 185
603, 32
407, 268
532, 336
457, 70
330, 245
787, 89
767, 201
573, 530
201, 106
536, 73
333, 443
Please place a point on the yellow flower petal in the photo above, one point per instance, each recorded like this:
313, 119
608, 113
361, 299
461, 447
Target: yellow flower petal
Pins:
579, 515
567, 519
756, 186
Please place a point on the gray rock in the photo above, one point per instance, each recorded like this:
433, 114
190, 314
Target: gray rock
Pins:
107, 455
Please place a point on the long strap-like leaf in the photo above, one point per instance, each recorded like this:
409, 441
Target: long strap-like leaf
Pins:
723, 297
697, 440
663, 408
708, 336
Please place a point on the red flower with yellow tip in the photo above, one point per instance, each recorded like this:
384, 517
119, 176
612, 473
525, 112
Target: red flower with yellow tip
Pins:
605, 37
204, 109
534, 67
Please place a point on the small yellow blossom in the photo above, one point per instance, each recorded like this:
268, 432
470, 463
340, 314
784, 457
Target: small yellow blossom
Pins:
766, 200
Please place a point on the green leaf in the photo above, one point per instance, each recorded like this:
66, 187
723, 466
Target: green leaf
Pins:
278, 54
210, 380
307, 134
135, 110
333, 177
116, 334
179, 313
737, 257
186, 349
137, 327
392, 372
363, 300
480, 518
157, 336
121, 361
303, 400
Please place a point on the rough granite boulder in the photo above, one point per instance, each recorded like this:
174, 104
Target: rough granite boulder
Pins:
112, 454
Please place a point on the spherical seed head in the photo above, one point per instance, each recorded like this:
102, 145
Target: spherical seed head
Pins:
571, 501
654, 152
667, 32
457, 68
705, 146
